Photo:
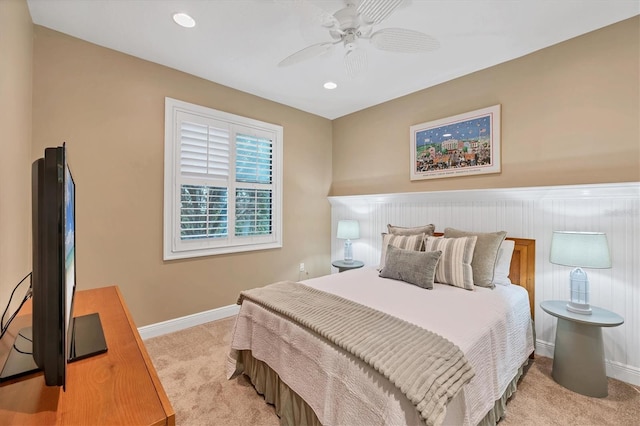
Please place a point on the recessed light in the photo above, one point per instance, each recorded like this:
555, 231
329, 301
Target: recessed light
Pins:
184, 20
330, 85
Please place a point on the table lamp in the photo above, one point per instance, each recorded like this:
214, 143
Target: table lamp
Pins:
348, 230
581, 250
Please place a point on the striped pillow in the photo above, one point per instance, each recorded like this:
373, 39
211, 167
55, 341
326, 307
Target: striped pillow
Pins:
454, 267
485, 254
406, 242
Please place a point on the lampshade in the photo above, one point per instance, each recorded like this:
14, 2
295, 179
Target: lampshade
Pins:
348, 230
581, 249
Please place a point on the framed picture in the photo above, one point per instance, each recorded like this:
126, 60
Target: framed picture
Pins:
462, 145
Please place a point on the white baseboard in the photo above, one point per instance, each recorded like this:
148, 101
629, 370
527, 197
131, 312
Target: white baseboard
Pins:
177, 324
614, 369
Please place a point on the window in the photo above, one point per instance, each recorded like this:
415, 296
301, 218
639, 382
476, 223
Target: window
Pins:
222, 182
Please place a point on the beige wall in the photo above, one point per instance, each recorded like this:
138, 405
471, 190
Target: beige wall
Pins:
16, 52
109, 108
570, 115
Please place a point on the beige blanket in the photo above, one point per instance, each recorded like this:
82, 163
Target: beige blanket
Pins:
427, 368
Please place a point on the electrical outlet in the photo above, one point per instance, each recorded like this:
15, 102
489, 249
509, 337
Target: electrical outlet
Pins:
302, 267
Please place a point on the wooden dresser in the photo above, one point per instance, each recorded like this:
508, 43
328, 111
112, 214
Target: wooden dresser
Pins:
119, 387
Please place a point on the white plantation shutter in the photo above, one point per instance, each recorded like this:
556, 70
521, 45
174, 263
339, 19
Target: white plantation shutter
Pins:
204, 177
204, 150
203, 212
223, 182
254, 165
253, 212
253, 159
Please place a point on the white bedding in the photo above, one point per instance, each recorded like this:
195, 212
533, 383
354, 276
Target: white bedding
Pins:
491, 326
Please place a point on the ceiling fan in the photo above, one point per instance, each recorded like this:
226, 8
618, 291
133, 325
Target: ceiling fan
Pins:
353, 23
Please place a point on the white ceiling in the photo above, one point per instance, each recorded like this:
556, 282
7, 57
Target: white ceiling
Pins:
238, 43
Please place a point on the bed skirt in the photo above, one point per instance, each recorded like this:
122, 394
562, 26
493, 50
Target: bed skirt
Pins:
290, 407
293, 410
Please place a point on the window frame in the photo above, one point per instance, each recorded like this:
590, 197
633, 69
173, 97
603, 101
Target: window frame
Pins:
176, 248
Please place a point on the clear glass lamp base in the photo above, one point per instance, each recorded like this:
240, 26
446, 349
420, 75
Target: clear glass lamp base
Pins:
348, 252
579, 292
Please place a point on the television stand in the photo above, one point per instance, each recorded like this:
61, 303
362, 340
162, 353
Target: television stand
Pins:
20, 361
87, 340
117, 387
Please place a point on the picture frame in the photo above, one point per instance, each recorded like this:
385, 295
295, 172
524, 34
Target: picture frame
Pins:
466, 144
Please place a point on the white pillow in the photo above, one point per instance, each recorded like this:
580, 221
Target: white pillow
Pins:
501, 275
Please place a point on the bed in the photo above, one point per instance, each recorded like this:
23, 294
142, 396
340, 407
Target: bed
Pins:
311, 380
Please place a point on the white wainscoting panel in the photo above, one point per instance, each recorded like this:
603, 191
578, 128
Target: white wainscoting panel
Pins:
528, 213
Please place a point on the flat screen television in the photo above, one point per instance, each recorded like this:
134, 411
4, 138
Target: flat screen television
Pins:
55, 336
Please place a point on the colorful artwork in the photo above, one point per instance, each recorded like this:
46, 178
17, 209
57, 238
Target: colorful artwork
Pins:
462, 145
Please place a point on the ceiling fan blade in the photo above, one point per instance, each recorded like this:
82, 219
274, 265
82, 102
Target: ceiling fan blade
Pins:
355, 61
404, 41
307, 53
376, 11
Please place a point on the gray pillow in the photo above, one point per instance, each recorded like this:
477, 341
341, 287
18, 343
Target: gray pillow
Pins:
413, 267
400, 230
485, 254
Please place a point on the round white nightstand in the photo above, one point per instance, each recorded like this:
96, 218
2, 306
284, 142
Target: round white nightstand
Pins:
578, 357
344, 266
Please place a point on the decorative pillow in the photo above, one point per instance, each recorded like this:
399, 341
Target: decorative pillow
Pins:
399, 230
407, 242
484, 255
503, 264
454, 267
414, 267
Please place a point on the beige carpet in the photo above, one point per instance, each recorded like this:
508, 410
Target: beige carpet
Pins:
191, 367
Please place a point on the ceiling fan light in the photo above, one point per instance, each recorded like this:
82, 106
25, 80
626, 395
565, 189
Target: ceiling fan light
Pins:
184, 20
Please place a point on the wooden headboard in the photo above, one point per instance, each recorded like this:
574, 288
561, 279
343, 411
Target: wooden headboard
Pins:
523, 267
